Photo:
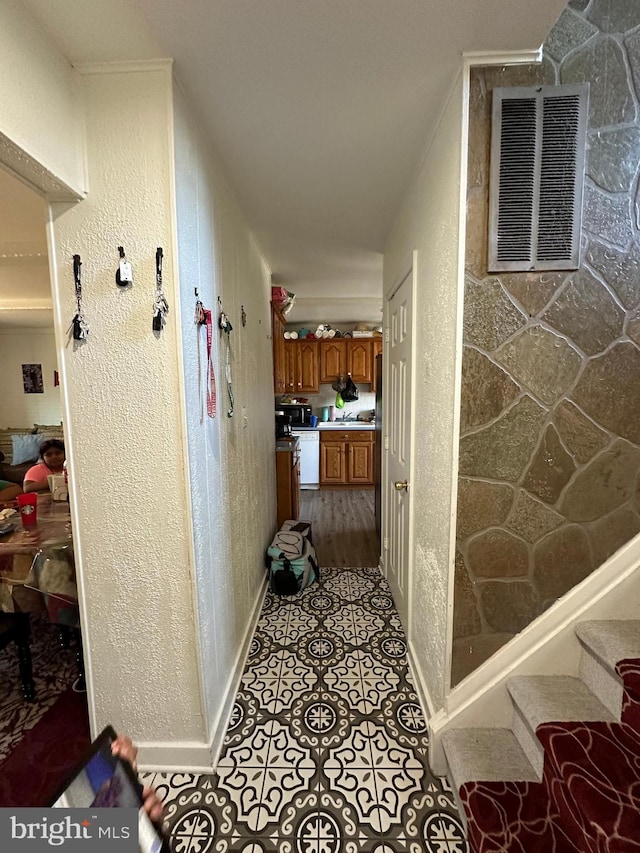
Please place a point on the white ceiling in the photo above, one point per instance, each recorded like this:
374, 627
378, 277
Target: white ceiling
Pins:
319, 110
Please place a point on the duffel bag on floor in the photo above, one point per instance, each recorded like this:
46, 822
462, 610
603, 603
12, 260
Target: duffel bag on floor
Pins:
303, 527
291, 562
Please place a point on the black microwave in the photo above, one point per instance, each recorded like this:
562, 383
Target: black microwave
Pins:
299, 412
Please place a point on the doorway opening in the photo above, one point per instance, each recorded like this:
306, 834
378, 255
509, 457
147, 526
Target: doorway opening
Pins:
31, 414
343, 524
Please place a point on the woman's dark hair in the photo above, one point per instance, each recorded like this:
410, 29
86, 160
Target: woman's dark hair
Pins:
49, 443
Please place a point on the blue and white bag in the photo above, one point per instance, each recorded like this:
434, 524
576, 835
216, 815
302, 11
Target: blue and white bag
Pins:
291, 562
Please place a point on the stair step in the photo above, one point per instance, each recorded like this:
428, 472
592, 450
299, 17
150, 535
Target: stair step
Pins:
550, 698
486, 755
604, 644
611, 640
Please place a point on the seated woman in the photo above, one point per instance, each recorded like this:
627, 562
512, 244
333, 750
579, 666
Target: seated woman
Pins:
9, 491
52, 455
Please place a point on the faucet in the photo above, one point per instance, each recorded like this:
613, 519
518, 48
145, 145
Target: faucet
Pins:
346, 416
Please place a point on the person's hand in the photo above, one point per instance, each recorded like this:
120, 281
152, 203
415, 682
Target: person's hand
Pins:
125, 748
153, 805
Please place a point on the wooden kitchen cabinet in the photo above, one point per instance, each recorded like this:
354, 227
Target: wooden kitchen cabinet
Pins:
348, 355
301, 367
360, 463
288, 483
333, 470
333, 360
360, 359
376, 350
278, 342
346, 457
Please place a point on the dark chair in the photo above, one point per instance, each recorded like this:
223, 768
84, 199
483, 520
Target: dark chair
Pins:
15, 628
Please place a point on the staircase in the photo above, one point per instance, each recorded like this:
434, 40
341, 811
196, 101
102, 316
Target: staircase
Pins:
565, 777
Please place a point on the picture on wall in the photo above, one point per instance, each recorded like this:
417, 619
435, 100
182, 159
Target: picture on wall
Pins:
32, 379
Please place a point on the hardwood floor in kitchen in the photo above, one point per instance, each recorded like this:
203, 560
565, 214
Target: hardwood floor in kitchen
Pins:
343, 525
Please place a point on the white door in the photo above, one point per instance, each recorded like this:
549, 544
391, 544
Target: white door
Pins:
397, 491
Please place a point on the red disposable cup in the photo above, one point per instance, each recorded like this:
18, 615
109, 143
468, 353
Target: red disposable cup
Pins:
28, 506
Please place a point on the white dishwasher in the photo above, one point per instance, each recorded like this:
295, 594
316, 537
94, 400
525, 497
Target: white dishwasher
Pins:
309, 457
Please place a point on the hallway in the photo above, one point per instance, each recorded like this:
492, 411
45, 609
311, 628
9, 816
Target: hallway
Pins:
327, 745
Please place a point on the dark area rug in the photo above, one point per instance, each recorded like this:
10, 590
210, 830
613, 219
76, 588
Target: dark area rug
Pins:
35, 768
33, 771
54, 670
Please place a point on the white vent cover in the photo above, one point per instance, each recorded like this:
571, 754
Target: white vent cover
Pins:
537, 173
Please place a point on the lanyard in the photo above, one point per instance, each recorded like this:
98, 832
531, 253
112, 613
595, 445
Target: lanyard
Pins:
211, 376
226, 327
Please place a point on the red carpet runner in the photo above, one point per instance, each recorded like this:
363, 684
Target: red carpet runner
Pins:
35, 768
588, 800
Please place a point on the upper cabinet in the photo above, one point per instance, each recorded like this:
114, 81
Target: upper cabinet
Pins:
376, 350
302, 367
360, 359
278, 341
333, 360
347, 355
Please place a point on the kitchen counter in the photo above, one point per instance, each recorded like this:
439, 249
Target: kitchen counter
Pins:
287, 444
322, 425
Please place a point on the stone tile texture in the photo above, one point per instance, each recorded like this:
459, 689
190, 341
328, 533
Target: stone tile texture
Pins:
541, 361
550, 439
550, 470
486, 387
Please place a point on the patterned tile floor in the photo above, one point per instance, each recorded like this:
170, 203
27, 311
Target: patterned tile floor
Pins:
326, 750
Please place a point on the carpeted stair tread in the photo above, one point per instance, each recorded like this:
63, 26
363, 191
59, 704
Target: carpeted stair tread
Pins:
592, 772
555, 698
611, 640
488, 755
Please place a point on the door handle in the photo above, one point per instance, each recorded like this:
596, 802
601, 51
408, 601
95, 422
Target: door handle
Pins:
400, 485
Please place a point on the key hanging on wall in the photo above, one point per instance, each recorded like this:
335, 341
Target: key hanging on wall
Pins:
124, 273
160, 304
79, 328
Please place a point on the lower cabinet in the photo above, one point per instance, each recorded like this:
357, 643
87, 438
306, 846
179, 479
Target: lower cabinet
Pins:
288, 484
346, 457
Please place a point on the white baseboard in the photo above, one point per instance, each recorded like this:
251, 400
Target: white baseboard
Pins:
222, 721
175, 757
193, 756
420, 683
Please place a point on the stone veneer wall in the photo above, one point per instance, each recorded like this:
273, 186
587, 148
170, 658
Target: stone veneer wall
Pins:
550, 421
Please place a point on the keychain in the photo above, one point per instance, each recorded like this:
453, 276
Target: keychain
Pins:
78, 328
160, 304
124, 273
198, 315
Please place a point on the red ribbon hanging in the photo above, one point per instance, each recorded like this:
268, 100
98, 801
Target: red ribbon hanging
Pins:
211, 376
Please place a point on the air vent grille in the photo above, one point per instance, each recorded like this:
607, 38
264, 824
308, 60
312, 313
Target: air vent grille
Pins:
537, 173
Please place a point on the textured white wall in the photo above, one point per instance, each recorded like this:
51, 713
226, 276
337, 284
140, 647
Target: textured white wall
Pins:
231, 460
123, 391
28, 346
429, 222
39, 104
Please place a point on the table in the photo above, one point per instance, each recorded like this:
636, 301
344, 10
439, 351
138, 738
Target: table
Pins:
19, 587
37, 571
